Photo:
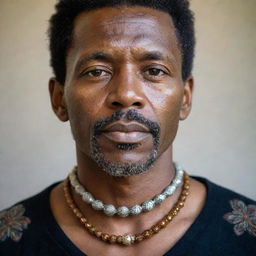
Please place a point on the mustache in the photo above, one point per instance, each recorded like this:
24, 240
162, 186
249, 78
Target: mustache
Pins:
130, 115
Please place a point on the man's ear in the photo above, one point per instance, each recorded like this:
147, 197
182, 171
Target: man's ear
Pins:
56, 91
187, 98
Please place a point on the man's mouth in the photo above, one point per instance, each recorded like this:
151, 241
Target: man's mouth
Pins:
121, 132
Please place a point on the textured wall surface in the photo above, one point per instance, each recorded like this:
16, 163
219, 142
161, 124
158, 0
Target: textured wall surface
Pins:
217, 141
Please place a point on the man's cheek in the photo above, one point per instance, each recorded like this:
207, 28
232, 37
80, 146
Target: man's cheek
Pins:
78, 126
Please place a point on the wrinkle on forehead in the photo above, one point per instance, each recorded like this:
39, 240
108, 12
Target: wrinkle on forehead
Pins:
126, 21
124, 14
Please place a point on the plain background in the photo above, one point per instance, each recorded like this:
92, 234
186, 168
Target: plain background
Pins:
217, 141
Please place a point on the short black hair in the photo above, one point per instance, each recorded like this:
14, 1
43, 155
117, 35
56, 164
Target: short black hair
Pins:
61, 28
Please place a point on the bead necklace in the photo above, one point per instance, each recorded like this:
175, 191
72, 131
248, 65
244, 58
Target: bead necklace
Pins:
124, 211
127, 239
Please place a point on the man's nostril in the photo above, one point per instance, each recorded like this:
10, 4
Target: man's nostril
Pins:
115, 103
137, 104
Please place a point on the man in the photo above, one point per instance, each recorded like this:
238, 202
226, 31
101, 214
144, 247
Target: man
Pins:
123, 80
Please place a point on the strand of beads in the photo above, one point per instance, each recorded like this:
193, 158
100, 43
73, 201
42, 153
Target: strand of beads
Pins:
124, 211
128, 239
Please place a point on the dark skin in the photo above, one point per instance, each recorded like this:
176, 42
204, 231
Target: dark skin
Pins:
120, 59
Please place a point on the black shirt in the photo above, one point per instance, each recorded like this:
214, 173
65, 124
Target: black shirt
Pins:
226, 226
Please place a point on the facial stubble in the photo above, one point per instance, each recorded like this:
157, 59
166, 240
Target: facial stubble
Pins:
120, 169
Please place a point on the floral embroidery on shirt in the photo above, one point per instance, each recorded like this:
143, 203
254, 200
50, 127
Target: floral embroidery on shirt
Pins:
243, 217
12, 223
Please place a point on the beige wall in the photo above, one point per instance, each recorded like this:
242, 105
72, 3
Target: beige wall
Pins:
217, 141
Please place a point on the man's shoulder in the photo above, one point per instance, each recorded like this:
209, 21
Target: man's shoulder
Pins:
22, 225
221, 193
32, 204
229, 220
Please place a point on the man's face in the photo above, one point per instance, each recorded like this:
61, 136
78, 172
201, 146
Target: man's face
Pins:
124, 91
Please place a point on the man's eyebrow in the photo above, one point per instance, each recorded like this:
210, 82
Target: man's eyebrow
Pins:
94, 56
152, 55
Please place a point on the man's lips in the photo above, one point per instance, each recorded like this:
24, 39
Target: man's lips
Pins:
126, 132
125, 127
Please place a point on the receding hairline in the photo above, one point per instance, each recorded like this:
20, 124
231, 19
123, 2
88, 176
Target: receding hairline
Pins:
130, 15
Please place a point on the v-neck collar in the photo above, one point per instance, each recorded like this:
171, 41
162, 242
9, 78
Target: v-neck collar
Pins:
199, 225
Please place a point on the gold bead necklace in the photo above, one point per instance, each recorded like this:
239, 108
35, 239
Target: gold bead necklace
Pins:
128, 239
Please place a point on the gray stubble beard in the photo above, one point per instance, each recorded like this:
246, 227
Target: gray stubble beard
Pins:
118, 169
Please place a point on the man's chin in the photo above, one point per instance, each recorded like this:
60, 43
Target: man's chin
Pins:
125, 165
125, 157
117, 169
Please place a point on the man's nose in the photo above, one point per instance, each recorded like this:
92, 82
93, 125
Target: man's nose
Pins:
125, 91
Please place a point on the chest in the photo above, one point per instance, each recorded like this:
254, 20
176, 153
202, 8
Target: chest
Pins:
158, 244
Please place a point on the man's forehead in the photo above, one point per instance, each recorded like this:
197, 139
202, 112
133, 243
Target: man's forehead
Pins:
130, 25
113, 21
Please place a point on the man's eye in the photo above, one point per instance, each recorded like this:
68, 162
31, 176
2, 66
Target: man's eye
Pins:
96, 73
155, 72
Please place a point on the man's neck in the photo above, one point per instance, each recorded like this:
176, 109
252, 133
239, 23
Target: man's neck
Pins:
129, 190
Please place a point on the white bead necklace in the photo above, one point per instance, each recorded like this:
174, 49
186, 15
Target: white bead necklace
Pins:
124, 211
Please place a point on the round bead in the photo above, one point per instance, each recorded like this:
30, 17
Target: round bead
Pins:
105, 237
71, 175
181, 204
136, 209
183, 198
139, 238
159, 199
79, 215
169, 190
147, 234
83, 220
123, 211
156, 229
163, 223
92, 229
185, 193
177, 182
148, 205
97, 205
169, 217
119, 239
127, 239
79, 189
112, 239
72, 179
98, 233
180, 171
74, 183
87, 197
174, 213
109, 210
88, 225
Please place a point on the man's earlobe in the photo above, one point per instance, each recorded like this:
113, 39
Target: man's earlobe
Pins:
56, 91
187, 98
